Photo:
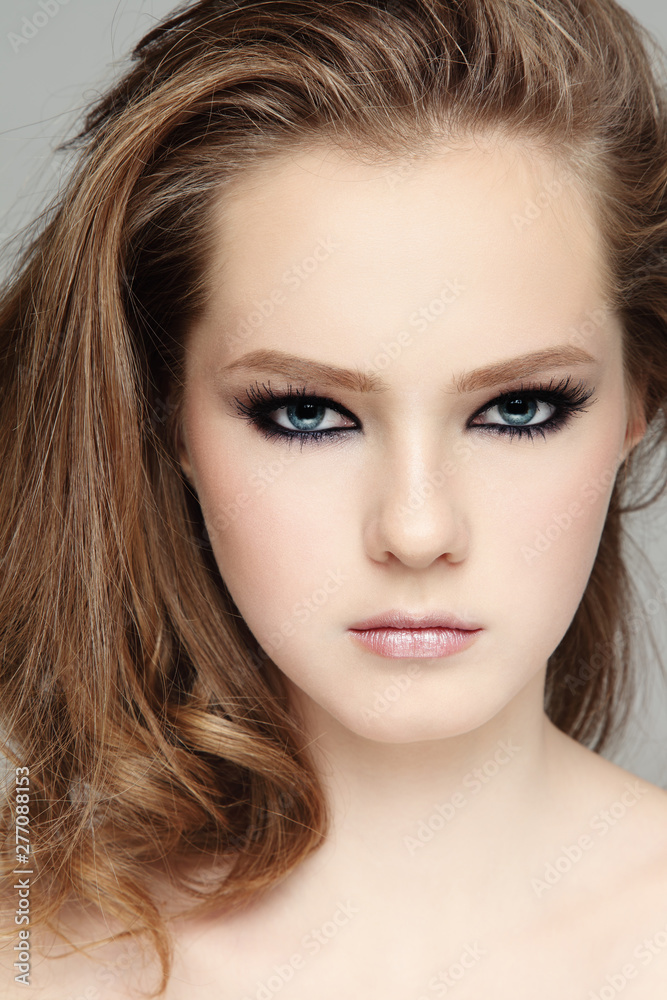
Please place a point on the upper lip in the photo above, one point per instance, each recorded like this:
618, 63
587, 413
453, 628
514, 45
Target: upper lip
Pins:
408, 619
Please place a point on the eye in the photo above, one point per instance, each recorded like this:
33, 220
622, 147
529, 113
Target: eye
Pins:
295, 414
518, 411
528, 411
522, 412
309, 415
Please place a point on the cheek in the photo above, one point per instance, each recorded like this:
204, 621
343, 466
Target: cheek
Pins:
275, 541
548, 535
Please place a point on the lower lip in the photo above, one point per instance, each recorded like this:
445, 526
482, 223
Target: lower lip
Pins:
402, 643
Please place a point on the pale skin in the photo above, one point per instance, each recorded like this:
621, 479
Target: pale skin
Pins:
397, 913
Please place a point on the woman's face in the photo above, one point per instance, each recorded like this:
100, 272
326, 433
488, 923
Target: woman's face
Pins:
407, 299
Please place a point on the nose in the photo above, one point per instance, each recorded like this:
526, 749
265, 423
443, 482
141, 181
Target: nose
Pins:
414, 511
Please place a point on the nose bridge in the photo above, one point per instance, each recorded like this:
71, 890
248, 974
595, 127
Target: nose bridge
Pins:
414, 460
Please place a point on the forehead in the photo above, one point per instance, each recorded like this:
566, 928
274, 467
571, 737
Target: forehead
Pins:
363, 244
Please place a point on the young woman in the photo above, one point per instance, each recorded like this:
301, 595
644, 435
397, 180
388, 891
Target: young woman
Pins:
327, 384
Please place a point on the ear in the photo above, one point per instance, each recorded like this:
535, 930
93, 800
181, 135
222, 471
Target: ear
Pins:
637, 426
183, 454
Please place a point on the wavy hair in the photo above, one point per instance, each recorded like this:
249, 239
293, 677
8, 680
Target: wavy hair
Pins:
154, 727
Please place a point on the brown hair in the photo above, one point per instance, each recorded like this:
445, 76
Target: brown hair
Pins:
154, 727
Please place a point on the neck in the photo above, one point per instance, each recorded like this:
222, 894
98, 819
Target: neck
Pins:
461, 808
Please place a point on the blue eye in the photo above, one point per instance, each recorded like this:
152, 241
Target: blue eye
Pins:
518, 413
514, 410
307, 415
295, 414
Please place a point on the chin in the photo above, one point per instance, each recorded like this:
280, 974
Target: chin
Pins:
407, 724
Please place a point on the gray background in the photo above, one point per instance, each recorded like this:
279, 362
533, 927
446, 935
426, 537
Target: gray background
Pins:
75, 50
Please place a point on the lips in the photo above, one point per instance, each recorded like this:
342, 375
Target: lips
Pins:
407, 619
400, 635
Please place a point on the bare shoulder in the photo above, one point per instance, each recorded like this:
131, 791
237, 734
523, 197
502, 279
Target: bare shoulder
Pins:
89, 959
633, 822
90, 956
625, 817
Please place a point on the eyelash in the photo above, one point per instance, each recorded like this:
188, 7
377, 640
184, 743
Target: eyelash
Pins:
567, 399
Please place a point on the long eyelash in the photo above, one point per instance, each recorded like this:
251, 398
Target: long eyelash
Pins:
264, 400
568, 400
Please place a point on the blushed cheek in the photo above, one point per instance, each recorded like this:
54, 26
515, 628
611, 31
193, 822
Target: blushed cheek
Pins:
559, 542
273, 560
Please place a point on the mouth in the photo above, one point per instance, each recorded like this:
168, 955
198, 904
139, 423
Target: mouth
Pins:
410, 643
398, 635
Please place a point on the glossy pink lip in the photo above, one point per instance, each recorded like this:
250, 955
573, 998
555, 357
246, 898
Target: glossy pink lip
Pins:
400, 635
412, 643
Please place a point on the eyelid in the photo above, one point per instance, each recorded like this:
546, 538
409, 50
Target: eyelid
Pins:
546, 392
319, 400
271, 399
567, 398
326, 402
499, 398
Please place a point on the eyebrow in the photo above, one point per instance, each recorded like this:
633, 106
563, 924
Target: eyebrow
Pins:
300, 369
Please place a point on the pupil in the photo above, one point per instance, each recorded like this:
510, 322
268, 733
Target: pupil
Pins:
305, 415
518, 406
515, 405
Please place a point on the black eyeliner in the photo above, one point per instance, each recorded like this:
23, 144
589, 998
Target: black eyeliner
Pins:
567, 399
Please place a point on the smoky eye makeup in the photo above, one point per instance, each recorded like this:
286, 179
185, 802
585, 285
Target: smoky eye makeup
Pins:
298, 413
